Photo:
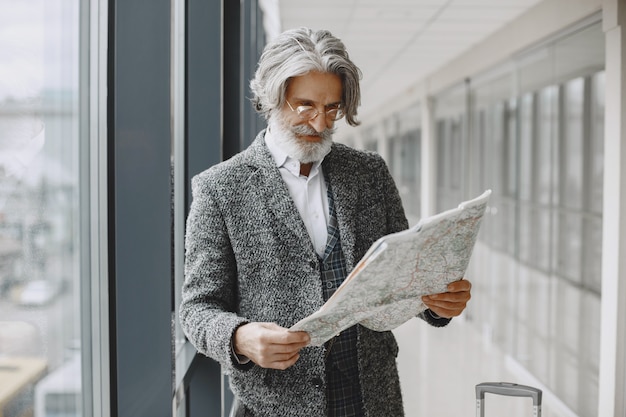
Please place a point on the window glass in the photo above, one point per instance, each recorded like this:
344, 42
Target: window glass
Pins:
581, 53
371, 137
477, 152
543, 237
545, 154
449, 144
569, 250
572, 144
526, 234
511, 150
527, 237
40, 349
592, 263
409, 177
597, 142
443, 133
495, 158
593, 220
546, 143
450, 112
526, 156
402, 130
455, 152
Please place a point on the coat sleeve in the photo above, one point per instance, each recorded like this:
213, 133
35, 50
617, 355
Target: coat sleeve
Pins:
209, 293
396, 218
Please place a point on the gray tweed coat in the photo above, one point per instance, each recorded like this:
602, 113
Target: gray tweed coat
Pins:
249, 258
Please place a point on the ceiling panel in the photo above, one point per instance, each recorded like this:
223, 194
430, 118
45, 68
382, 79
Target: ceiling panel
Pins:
398, 42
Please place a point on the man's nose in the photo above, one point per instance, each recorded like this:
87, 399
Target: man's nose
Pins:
319, 122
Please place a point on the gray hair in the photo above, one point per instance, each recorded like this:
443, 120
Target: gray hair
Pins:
297, 52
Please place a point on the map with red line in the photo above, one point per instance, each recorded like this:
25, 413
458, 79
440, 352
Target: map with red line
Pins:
385, 288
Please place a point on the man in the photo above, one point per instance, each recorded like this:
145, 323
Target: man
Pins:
274, 230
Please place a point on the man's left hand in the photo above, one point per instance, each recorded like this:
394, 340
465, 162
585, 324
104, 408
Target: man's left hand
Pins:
452, 303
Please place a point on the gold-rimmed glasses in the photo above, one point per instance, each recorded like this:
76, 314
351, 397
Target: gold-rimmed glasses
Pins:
307, 113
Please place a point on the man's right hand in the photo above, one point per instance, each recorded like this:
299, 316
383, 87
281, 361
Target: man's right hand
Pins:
269, 345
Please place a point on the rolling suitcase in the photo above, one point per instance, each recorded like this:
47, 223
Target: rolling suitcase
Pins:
508, 389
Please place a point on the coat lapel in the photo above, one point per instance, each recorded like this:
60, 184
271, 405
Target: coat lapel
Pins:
272, 190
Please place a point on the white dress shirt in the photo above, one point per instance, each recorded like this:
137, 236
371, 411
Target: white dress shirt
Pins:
309, 193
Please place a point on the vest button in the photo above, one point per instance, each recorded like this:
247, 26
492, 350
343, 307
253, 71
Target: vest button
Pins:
329, 285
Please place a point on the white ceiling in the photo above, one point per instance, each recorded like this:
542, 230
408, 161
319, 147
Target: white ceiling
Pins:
396, 43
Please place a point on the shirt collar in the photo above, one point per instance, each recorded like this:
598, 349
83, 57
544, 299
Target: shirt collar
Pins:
280, 156
285, 161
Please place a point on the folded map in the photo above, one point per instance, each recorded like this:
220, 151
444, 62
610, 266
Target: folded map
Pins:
385, 288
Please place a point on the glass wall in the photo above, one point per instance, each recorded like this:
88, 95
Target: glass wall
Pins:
451, 138
404, 158
537, 263
397, 137
40, 227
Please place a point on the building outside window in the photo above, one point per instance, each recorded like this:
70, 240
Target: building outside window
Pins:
40, 246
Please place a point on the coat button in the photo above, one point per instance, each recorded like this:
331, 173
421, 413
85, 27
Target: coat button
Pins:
317, 382
313, 265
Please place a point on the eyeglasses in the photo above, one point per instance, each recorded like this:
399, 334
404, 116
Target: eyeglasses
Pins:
309, 112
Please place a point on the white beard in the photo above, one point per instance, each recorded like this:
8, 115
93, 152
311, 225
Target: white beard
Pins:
299, 149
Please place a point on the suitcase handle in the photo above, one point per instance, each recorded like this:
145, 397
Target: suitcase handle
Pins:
510, 390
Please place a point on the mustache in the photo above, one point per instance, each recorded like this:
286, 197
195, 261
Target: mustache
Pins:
309, 131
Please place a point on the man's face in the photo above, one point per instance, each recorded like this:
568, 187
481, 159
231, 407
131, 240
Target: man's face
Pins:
319, 90
308, 140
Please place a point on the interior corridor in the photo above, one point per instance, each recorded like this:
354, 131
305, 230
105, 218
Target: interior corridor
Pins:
440, 367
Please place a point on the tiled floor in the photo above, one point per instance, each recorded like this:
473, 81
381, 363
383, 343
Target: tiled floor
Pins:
439, 369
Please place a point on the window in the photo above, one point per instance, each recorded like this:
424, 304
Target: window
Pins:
544, 149
40, 204
449, 169
403, 135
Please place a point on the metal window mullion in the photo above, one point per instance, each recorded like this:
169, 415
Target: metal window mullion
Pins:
94, 306
184, 352
139, 202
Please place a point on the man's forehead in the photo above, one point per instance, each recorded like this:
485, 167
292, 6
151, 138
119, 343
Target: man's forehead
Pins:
315, 86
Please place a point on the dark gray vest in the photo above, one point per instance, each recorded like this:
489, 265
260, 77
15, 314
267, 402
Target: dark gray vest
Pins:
342, 370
